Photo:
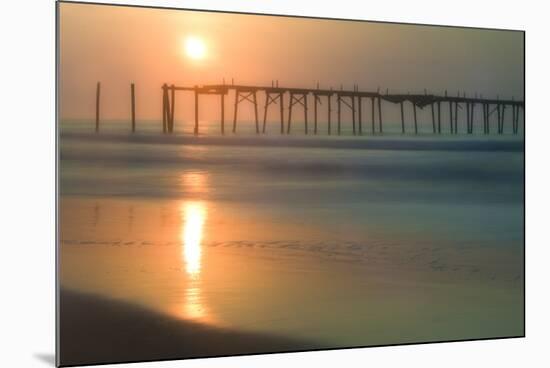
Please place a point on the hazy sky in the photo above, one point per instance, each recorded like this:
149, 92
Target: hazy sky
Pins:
120, 45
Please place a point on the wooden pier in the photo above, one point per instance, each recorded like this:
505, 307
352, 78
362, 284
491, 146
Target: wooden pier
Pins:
352, 100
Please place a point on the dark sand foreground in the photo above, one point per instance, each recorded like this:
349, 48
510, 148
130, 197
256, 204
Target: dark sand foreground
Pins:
97, 330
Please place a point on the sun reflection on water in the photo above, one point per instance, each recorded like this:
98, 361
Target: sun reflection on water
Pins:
194, 215
193, 219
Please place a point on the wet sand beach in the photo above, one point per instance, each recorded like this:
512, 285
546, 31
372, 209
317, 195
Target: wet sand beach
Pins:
99, 330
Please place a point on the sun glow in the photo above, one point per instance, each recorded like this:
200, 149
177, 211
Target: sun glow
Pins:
195, 48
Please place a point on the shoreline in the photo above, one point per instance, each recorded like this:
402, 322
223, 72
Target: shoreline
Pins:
97, 330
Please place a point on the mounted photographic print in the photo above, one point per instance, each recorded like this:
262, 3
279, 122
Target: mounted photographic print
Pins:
235, 184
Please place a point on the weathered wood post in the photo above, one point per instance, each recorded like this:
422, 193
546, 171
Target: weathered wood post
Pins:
235, 109
267, 101
498, 118
329, 97
290, 112
484, 105
486, 118
489, 118
315, 97
304, 97
372, 113
502, 119
196, 130
515, 115
380, 113
439, 117
339, 112
172, 107
402, 118
415, 120
513, 118
456, 117
433, 117
353, 114
487, 109
222, 98
281, 108
133, 104
451, 115
467, 117
97, 98
164, 108
359, 115
256, 112
472, 110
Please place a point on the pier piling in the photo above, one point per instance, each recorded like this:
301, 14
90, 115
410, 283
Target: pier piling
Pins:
97, 99
359, 115
415, 120
164, 108
329, 113
222, 120
196, 129
402, 118
380, 114
172, 107
133, 106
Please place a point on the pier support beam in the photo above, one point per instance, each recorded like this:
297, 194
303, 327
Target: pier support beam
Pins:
433, 117
222, 117
350, 103
273, 98
297, 98
250, 96
515, 118
502, 119
133, 106
256, 112
353, 114
499, 129
172, 108
281, 108
415, 120
456, 118
439, 117
196, 128
339, 117
329, 114
235, 109
472, 117
164, 108
97, 100
467, 117
487, 119
451, 116
372, 114
360, 117
315, 101
380, 114
402, 118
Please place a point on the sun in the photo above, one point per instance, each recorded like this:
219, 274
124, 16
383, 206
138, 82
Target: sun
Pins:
195, 48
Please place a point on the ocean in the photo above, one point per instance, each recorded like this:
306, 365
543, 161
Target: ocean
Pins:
342, 240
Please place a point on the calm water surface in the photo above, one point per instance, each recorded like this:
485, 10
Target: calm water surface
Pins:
397, 239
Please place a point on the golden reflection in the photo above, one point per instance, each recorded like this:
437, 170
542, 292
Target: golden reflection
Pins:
194, 215
193, 218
